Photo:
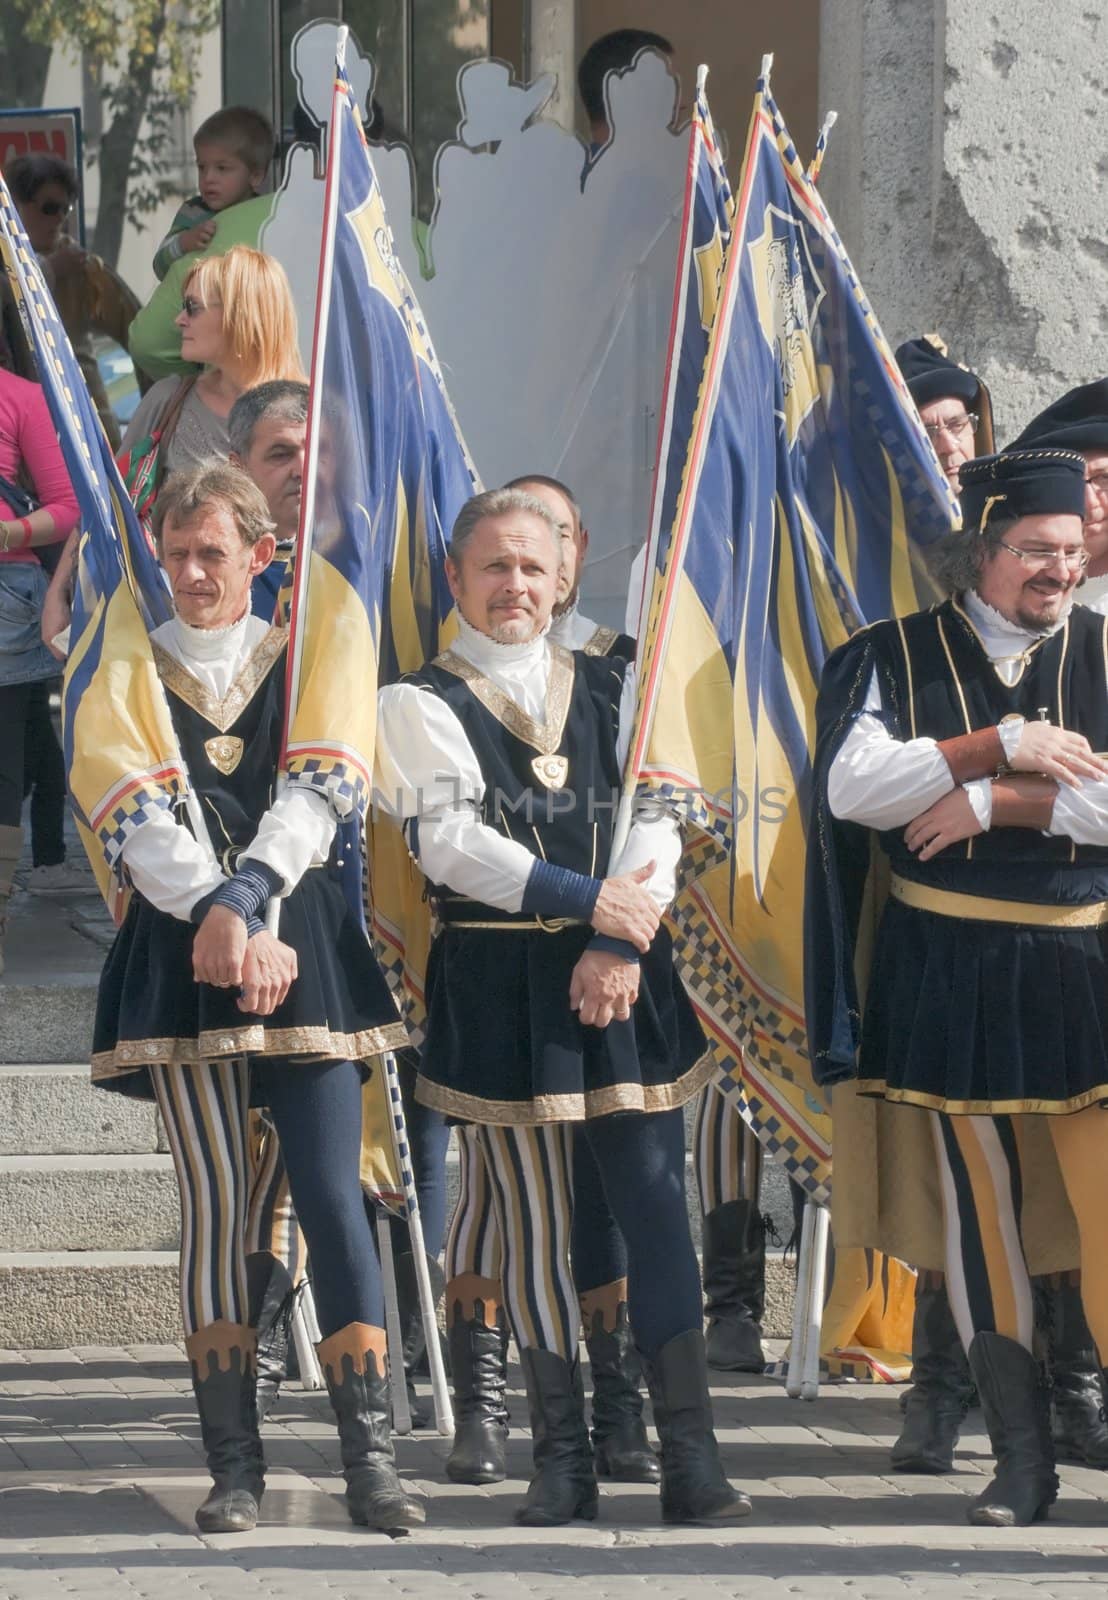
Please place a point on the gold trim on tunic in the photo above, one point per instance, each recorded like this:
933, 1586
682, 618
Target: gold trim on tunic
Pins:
222, 714
982, 1108
320, 1043
545, 737
568, 1107
600, 642
979, 908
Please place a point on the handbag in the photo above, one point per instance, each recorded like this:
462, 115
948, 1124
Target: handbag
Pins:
21, 500
143, 465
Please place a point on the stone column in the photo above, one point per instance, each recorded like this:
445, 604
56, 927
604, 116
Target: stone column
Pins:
966, 175
552, 47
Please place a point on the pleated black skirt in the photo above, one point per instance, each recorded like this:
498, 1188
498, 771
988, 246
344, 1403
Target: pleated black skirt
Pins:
981, 1017
150, 1009
504, 1047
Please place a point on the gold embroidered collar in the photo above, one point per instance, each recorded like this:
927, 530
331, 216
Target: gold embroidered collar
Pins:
601, 642
545, 737
222, 714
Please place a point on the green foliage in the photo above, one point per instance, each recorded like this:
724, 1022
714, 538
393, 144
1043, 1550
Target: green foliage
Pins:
142, 56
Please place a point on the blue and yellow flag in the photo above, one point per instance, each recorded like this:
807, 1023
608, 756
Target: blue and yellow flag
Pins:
387, 473
806, 490
709, 207
121, 751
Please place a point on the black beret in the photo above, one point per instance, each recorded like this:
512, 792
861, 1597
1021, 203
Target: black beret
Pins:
1022, 483
931, 375
1078, 421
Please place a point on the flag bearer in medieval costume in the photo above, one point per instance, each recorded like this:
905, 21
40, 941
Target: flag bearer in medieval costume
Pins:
552, 1001
956, 409
204, 1010
964, 738
476, 1323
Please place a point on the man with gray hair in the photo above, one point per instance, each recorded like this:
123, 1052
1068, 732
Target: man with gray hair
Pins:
267, 430
552, 999
475, 1320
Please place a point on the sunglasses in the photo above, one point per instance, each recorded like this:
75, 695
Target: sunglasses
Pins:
193, 308
56, 208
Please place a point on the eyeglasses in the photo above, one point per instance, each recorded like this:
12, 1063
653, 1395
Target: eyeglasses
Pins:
56, 208
1098, 482
193, 308
1039, 560
955, 426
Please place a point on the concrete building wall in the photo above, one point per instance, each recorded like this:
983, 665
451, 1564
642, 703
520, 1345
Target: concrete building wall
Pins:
967, 175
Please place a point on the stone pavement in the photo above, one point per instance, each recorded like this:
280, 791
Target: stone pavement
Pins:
100, 1470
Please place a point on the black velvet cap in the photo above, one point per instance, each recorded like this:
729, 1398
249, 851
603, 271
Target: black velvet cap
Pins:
931, 375
1022, 483
1078, 421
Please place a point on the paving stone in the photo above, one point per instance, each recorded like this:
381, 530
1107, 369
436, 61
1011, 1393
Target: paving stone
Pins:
100, 1474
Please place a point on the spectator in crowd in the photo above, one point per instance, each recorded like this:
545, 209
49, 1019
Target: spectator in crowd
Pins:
238, 323
28, 444
90, 295
234, 148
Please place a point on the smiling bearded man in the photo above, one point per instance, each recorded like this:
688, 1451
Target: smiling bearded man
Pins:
964, 737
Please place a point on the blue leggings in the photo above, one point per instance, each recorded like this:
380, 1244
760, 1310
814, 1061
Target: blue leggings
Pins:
428, 1138
317, 1113
641, 1160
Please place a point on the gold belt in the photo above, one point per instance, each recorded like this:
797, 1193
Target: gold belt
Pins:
978, 908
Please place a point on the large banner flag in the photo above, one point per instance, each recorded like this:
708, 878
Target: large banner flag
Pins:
807, 485
387, 473
121, 751
709, 207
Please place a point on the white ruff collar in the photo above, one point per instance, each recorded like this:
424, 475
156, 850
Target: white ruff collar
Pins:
997, 632
209, 644
484, 651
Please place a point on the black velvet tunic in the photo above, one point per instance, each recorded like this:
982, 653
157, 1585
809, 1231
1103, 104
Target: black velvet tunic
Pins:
503, 1045
962, 1013
149, 1008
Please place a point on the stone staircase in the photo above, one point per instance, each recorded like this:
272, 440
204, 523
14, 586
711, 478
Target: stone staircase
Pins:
88, 1201
89, 1220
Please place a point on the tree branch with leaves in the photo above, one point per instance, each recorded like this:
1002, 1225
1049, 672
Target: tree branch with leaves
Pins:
142, 55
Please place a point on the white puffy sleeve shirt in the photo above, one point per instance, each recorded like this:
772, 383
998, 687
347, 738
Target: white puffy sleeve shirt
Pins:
168, 865
426, 773
883, 782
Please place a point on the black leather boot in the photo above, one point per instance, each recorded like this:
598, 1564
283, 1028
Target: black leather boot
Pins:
1014, 1401
564, 1484
222, 1361
272, 1297
353, 1364
619, 1443
1076, 1390
694, 1488
734, 1245
942, 1389
477, 1336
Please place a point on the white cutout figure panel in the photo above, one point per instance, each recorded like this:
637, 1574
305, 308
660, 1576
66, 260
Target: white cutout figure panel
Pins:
550, 298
